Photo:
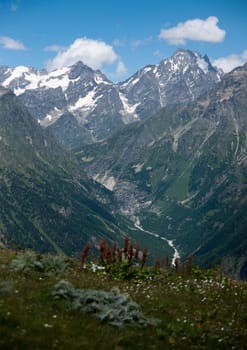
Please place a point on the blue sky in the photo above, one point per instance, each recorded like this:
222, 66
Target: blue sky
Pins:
120, 37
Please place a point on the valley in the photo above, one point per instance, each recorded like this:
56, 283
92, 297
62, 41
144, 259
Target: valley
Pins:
160, 157
181, 167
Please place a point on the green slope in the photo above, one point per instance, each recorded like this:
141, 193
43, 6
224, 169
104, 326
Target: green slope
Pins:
186, 169
46, 200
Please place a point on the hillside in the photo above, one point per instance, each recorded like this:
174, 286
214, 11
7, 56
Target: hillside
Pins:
182, 173
42, 307
47, 201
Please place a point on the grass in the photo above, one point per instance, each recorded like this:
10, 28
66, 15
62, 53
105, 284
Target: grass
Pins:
198, 310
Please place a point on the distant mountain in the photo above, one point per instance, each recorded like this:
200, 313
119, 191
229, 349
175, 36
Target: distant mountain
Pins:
183, 172
69, 132
46, 200
176, 80
100, 106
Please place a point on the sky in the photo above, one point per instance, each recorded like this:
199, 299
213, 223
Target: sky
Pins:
119, 37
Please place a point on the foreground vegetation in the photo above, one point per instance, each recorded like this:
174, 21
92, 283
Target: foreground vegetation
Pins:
191, 309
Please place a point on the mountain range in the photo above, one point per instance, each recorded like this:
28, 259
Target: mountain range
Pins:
168, 145
91, 107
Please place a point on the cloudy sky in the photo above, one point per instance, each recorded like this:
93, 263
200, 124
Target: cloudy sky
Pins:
120, 37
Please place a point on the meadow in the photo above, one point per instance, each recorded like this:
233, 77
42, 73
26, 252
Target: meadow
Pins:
170, 308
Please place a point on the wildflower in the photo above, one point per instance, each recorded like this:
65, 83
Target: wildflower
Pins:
144, 257
47, 325
95, 267
85, 253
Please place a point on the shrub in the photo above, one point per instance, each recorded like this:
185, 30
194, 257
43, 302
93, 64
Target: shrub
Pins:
48, 264
111, 306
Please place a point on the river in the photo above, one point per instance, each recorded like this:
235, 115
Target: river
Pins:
176, 254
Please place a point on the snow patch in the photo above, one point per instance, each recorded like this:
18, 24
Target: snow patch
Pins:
59, 72
155, 70
54, 83
87, 102
128, 109
131, 81
99, 80
202, 64
147, 69
34, 80
134, 81
19, 91
174, 66
16, 72
51, 117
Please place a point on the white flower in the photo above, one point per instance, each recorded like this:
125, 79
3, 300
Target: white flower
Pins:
46, 325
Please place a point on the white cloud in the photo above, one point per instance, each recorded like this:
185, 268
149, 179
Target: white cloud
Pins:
11, 44
54, 48
230, 62
194, 29
94, 53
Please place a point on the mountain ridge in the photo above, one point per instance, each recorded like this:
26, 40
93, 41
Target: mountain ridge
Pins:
101, 106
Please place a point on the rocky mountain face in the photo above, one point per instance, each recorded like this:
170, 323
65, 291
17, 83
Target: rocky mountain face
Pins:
101, 107
47, 202
182, 173
176, 80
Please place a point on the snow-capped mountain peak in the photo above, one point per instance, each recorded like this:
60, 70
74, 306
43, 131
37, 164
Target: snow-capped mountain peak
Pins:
101, 106
178, 79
